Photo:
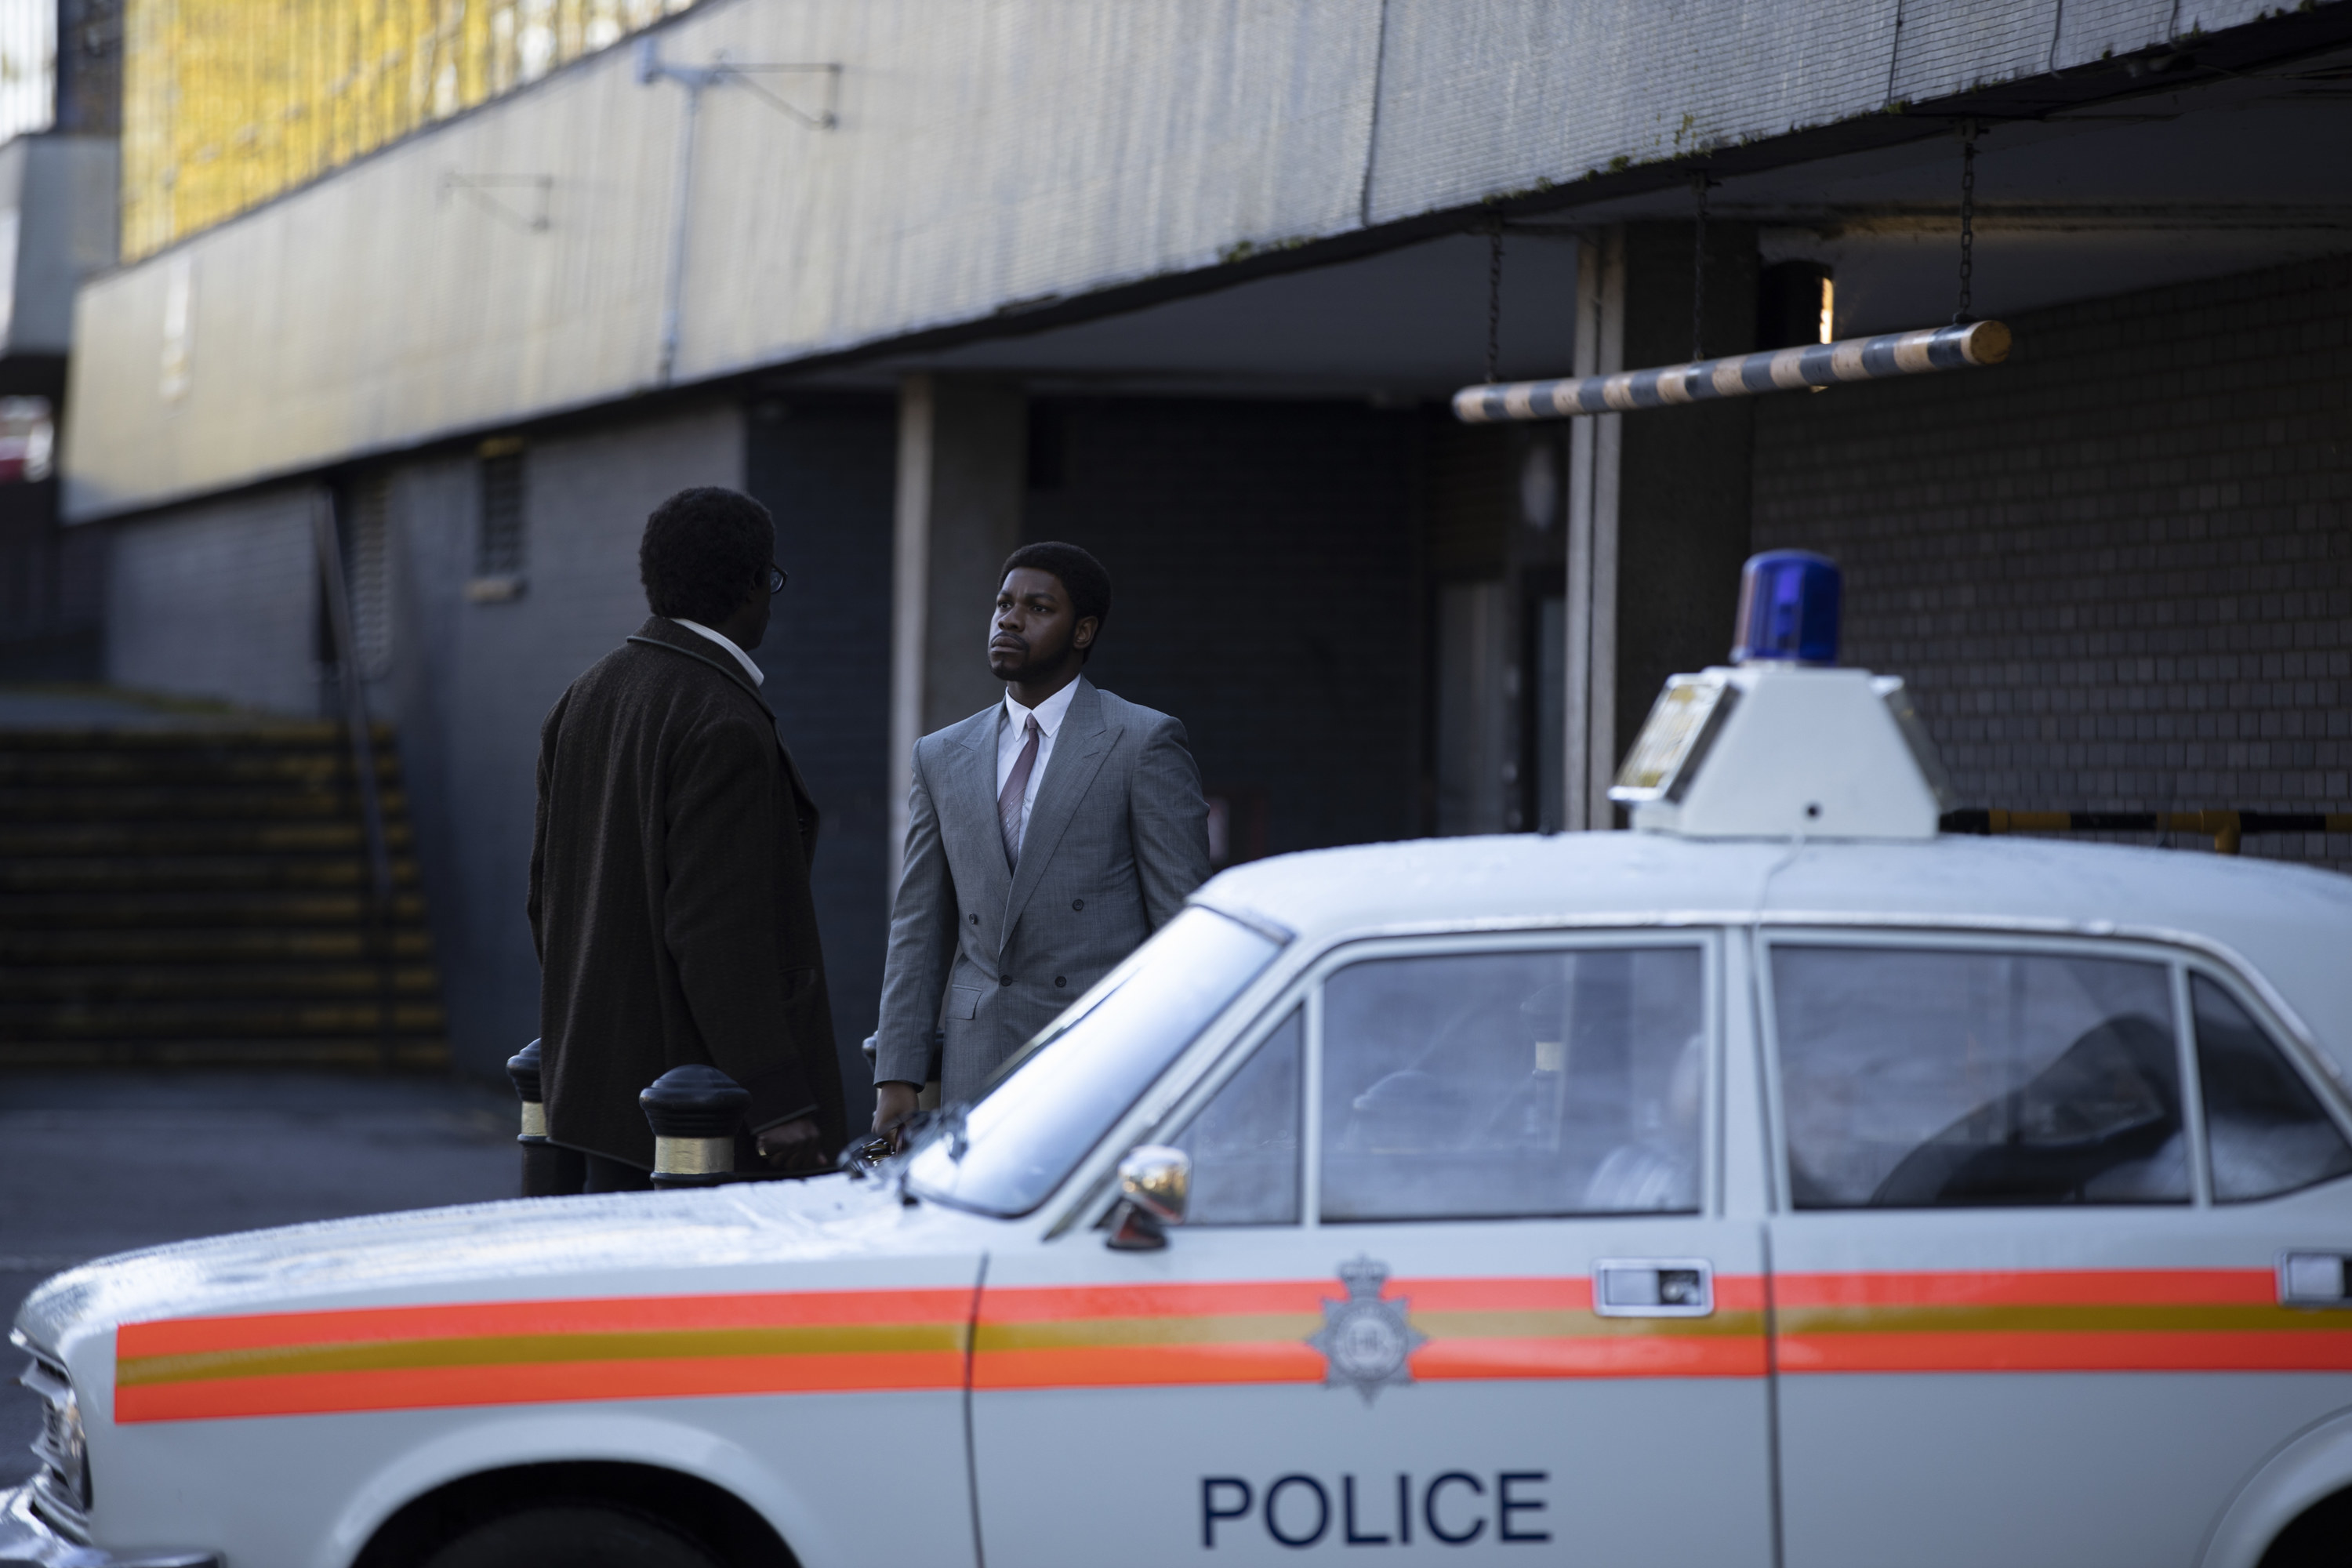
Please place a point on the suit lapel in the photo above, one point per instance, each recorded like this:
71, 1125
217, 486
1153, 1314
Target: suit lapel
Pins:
1078, 753
967, 804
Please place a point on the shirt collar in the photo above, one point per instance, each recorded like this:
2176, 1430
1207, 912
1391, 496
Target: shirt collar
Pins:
759, 677
1050, 712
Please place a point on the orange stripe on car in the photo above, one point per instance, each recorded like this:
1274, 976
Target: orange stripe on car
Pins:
526, 1353
1479, 1328
181, 1336
528, 1383
2261, 1349
2046, 1287
2119, 1319
1226, 1333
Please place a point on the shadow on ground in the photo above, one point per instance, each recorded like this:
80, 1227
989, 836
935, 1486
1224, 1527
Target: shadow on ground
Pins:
93, 1163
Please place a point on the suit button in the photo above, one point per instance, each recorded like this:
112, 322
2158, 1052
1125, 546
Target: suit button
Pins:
1077, 903
975, 920
1004, 980
1058, 981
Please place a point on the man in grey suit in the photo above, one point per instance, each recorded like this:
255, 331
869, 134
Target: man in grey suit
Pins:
1047, 837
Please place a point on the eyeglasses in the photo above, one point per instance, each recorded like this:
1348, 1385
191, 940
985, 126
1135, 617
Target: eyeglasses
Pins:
777, 578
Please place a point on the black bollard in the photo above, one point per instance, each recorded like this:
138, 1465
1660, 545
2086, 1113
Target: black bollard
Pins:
694, 1112
548, 1170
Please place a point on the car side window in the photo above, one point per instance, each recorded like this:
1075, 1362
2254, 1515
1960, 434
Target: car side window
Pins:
1918, 1078
1516, 1083
1244, 1141
2265, 1130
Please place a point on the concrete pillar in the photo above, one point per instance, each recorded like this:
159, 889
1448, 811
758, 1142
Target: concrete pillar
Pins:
1658, 500
962, 473
1594, 449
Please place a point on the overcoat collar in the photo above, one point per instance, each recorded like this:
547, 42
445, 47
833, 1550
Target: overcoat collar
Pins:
664, 633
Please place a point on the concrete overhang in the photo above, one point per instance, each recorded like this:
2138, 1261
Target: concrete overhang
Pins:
1304, 237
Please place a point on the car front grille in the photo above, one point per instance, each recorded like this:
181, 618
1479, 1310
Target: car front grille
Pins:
61, 1488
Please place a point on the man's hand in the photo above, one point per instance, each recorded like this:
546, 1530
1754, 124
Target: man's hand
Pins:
792, 1145
893, 1103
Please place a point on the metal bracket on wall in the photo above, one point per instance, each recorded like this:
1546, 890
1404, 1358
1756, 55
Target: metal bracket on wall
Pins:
485, 192
719, 72
652, 67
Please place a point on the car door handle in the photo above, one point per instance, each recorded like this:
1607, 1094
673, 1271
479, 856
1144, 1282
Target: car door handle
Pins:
1652, 1287
2315, 1280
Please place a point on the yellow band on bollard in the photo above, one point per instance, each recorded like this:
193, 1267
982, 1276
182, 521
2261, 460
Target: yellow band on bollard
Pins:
693, 1156
534, 1119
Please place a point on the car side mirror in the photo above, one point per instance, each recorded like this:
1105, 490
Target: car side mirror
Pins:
1155, 1182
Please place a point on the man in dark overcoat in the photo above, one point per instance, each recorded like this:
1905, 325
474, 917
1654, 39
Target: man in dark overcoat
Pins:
669, 870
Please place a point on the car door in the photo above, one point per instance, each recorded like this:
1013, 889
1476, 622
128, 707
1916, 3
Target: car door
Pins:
2021, 1318
1379, 1327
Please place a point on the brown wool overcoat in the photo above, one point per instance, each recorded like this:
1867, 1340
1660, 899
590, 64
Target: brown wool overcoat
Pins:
669, 900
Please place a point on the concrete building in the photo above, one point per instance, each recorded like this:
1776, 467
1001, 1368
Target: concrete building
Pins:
1190, 284
59, 87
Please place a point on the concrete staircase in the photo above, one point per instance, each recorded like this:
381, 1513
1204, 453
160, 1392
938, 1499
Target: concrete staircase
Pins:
202, 895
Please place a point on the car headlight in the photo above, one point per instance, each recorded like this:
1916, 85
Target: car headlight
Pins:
61, 1491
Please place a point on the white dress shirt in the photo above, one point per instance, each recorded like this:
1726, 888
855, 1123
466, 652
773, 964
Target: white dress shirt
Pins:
759, 677
1012, 735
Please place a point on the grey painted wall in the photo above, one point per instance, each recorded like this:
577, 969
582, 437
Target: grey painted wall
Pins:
219, 601
57, 196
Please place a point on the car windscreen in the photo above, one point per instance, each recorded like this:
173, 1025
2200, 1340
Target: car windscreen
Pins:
1069, 1086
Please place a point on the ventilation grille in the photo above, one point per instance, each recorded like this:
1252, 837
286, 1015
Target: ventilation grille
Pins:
498, 552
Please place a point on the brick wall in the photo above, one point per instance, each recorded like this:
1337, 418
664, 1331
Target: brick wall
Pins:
827, 471
219, 601
1267, 593
2118, 570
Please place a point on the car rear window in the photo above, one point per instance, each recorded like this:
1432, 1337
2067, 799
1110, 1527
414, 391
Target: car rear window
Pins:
1919, 1078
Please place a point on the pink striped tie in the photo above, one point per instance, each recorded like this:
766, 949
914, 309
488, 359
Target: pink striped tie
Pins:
1017, 786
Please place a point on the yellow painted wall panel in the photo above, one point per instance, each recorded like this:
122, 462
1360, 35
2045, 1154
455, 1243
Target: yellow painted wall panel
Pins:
226, 103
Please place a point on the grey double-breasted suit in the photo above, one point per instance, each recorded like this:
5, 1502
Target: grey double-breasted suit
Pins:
1118, 838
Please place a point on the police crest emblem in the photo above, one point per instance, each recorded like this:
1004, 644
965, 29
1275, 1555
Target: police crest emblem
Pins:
1366, 1342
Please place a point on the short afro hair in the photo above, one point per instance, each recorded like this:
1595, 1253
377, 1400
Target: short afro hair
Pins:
703, 550
1083, 578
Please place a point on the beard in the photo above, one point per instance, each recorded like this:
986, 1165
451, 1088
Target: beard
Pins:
1010, 664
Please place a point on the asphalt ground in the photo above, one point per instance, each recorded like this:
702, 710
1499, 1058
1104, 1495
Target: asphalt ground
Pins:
96, 1163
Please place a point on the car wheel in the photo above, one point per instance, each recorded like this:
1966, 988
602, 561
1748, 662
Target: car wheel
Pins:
572, 1535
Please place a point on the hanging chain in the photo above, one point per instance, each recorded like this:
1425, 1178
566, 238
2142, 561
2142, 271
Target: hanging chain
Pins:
1967, 219
1699, 182
1495, 304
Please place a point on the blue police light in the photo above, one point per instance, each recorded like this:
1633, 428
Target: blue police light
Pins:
1788, 608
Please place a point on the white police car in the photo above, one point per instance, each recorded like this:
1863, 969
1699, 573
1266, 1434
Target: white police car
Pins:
1780, 1183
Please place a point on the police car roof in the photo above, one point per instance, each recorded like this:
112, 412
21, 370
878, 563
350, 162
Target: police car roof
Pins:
2289, 925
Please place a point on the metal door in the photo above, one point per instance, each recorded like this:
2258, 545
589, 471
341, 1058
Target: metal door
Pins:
1380, 1330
